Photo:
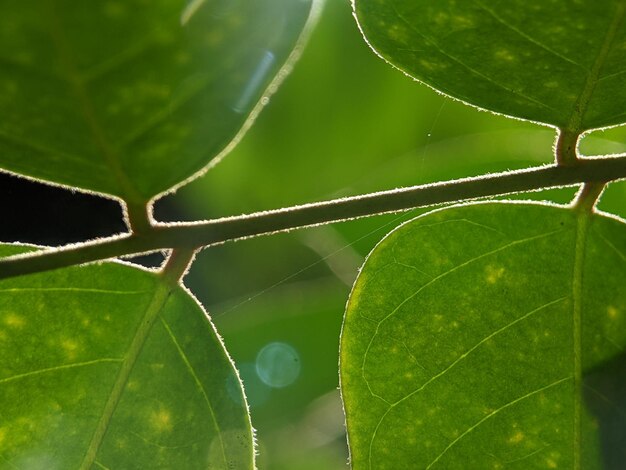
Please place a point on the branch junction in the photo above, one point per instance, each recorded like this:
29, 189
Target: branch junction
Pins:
192, 235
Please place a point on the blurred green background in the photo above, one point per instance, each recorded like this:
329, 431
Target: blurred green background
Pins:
343, 123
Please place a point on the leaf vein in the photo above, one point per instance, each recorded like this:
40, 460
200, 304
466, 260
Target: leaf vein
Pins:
468, 67
70, 289
30, 69
611, 75
160, 116
9, 462
30, 145
477, 345
618, 409
526, 36
467, 263
198, 383
611, 245
161, 446
156, 304
435, 279
444, 371
491, 415
119, 60
85, 104
57, 368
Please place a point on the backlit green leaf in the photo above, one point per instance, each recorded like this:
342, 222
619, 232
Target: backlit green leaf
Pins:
108, 367
557, 62
467, 336
132, 97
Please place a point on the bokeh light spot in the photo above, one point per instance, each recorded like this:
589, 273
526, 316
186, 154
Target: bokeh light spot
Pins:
278, 365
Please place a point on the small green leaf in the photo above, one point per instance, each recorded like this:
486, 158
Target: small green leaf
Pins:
559, 62
108, 367
130, 98
467, 335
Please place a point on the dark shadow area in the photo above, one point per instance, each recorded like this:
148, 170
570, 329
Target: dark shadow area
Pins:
48, 215
37, 213
167, 209
150, 260
42, 214
605, 397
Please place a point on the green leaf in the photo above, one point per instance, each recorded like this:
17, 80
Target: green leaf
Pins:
559, 63
130, 98
109, 367
467, 335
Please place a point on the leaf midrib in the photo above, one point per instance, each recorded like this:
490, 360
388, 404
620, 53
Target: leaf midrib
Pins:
582, 230
98, 136
159, 298
581, 105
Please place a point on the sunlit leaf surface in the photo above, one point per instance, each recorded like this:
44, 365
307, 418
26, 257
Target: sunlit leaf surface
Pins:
132, 97
86, 383
467, 336
558, 62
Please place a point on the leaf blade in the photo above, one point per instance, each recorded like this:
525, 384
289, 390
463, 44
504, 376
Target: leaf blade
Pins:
64, 402
131, 99
414, 382
552, 63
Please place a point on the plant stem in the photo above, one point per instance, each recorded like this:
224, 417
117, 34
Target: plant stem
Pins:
197, 234
137, 218
566, 147
588, 196
177, 264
